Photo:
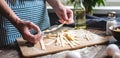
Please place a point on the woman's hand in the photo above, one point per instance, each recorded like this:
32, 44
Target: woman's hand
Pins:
64, 14
24, 28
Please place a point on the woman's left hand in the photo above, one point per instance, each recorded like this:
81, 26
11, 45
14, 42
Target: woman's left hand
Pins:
64, 14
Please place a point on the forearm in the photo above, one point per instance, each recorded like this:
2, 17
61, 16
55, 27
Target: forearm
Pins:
7, 12
55, 3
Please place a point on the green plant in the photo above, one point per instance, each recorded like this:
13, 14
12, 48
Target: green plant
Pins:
89, 4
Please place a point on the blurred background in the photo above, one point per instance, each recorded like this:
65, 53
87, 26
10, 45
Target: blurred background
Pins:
99, 16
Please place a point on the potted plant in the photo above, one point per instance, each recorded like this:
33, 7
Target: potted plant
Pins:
89, 4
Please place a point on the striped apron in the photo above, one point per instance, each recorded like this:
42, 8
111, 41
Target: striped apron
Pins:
32, 10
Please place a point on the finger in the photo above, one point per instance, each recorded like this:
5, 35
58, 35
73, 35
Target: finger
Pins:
35, 38
35, 27
27, 34
32, 38
64, 15
70, 15
70, 22
38, 36
61, 21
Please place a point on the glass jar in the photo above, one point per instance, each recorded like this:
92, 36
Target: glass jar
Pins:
79, 15
111, 21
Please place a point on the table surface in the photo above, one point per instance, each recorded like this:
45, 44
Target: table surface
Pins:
97, 51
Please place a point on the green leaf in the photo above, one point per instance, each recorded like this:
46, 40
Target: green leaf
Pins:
100, 2
94, 2
89, 4
103, 3
72, 1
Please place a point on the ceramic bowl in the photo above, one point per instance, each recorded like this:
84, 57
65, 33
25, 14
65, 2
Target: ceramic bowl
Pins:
115, 30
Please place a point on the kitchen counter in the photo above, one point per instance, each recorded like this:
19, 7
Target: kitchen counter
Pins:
96, 51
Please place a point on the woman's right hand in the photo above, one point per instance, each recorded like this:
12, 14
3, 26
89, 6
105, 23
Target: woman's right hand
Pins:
24, 28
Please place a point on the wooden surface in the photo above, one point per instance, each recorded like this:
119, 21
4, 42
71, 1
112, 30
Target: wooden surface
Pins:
87, 52
37, 51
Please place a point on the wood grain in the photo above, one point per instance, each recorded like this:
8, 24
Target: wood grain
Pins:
36, 50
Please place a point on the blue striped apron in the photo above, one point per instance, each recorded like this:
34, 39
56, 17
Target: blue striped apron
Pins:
32, 10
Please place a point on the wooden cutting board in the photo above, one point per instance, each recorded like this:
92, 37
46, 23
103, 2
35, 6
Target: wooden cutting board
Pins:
37, 51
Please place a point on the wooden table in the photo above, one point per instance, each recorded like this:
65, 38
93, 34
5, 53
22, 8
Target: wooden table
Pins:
97, 51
